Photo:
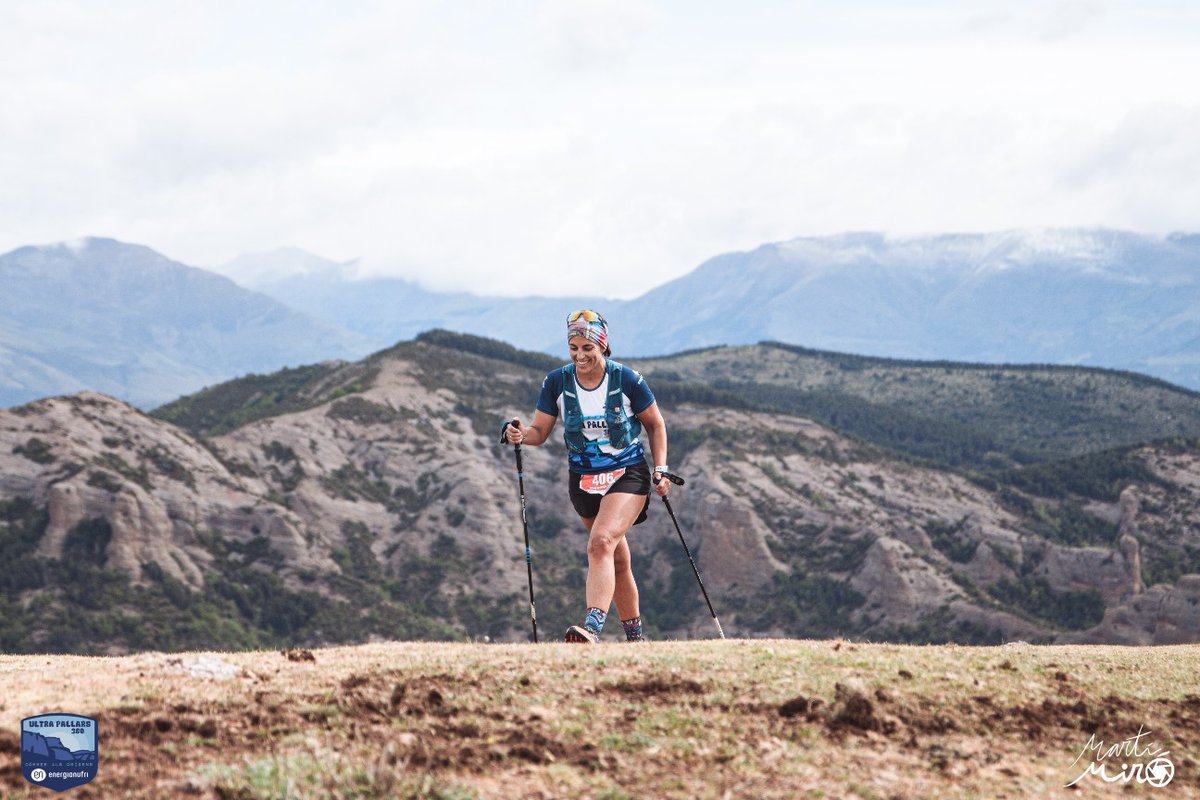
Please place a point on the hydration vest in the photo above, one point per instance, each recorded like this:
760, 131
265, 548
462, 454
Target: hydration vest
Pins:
622, 430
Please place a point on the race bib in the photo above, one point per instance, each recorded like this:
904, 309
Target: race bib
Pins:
601, 482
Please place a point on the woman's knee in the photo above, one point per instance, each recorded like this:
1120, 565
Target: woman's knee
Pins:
603, 541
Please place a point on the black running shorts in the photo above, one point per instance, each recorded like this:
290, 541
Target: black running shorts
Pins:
635, 480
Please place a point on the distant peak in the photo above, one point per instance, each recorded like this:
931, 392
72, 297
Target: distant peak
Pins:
296, 253
80, 244
88, 248
1005, 248
263, 268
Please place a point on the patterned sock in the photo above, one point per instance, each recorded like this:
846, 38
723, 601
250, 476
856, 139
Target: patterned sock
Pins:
594, 621
633, 629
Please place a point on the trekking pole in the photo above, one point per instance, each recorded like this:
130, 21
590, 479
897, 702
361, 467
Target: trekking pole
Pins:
678, 481
524, 523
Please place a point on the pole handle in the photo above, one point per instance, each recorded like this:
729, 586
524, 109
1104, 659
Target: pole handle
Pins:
504, 431
673, 478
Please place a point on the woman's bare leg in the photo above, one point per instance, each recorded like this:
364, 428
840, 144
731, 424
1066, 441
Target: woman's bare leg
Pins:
605, 535
625, 593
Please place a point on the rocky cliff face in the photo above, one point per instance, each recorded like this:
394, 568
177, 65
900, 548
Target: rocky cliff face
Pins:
392, 499
88, 457
920, 544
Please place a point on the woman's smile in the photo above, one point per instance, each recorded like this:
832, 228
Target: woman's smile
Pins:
585, 354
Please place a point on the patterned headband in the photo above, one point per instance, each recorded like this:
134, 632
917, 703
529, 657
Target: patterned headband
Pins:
590, 325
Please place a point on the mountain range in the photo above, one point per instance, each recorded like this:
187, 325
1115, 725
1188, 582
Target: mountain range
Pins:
126, 321
388, 310
826, 495
1062, 296
122, 319
332, 494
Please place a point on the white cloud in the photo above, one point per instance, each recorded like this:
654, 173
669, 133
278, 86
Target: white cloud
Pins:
519, 147
585, 35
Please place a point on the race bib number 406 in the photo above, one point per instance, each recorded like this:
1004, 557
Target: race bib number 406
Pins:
601, 482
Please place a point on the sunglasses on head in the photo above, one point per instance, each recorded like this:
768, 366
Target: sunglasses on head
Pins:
586, 316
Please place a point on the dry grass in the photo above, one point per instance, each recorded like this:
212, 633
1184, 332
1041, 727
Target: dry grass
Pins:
772, 719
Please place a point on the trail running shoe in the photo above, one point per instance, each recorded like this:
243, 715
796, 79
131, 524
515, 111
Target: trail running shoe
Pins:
580, 635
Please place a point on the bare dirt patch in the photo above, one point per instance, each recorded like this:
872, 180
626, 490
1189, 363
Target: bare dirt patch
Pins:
727, 719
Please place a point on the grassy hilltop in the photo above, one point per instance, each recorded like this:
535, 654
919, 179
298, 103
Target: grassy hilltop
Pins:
733, 719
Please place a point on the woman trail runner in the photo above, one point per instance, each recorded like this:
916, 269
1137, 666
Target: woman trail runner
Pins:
605, 406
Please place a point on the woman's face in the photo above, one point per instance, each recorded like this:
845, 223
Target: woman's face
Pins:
584, 353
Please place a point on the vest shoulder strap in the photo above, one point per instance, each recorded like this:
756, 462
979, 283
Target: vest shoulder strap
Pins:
568, 373
614, 369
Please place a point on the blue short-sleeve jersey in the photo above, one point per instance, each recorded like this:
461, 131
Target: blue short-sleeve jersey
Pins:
600, 455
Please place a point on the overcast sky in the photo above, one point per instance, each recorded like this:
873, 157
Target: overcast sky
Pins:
584, 146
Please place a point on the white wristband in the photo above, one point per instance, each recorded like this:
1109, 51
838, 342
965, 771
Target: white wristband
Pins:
662, 468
